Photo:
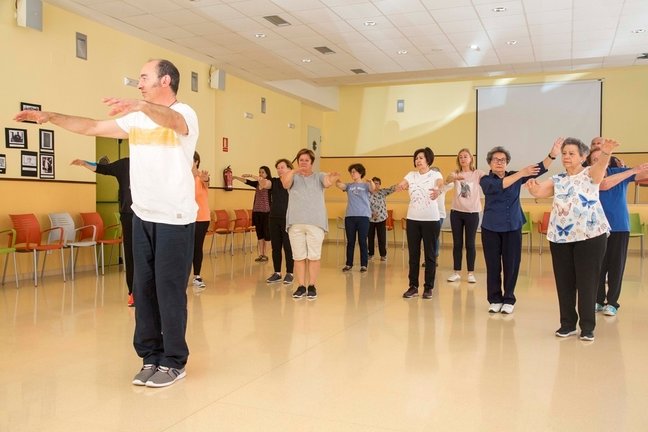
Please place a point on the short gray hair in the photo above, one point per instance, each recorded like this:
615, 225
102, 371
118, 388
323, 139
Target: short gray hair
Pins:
498, 149
583, 150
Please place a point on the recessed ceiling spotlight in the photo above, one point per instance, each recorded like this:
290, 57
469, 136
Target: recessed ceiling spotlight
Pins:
402, 52
499, 9
260, 35
511, 42
370, 23
474, 47
639, 31
306, 60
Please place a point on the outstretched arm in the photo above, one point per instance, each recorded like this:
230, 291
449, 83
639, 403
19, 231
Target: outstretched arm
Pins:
540, 190
80, 125
86, 164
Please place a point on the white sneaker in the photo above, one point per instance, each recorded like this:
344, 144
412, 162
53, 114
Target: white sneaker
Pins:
495, 307
198, 282
471, 278
507, 308
454, 277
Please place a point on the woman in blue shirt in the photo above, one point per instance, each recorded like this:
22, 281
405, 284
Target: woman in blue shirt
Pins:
613, 197
358, 212
502, 224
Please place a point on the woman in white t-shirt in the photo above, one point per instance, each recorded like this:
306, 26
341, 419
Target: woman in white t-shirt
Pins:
464, 213
424, 187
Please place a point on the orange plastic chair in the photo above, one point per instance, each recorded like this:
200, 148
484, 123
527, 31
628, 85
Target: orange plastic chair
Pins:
110, 235
29, 239
543, 225
220, 225
242, 226
9, 249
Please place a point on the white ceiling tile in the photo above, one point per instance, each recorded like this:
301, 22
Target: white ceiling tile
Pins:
320, 15
145, 22
257, 8
119, 9
413, 63
443, 4
510, 21
182, 17
485, 10
469, 38
595, 35
242, 25
399, 6
332, 3
413, 19
171, 32
154, 6
332, 28
357, 11
461, 26
298, 5
464, 13
382, 34
381, 23
422, 32
533, 6
550, 17
219, 13
208, 28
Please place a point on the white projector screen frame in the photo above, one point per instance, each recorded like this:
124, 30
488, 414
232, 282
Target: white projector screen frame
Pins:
526, 119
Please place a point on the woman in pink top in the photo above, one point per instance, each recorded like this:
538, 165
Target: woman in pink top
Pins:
201, 178
464, 214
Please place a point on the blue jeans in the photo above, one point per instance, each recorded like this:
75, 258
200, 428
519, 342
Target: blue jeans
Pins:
359, 225
163, 255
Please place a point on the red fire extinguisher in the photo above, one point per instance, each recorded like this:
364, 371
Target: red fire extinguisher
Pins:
227, 178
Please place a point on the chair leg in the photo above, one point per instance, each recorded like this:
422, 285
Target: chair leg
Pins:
4, 272
72, 263
15, 269
35, 268
95, 260
102, 259
63, 264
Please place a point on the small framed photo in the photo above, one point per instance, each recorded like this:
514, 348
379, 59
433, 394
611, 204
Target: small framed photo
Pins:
46, 166
16, 138
3, 164
46, 140
29, 164
29, 106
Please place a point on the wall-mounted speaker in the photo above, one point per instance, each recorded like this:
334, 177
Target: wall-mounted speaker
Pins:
29, 13
217, 79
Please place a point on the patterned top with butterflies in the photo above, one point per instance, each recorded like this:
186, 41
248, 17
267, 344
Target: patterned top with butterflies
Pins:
577, 213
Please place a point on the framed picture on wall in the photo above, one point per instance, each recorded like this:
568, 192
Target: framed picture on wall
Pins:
29, 164
46, 166
16, 138
46, 140
29, 106
3, 164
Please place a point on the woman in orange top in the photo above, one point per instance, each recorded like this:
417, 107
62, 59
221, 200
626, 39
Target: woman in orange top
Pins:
201, 178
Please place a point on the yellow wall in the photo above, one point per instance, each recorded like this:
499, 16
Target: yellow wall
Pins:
442, 115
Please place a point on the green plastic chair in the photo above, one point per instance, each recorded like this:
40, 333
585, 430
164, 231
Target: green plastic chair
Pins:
526, 229
9, 249
637, 229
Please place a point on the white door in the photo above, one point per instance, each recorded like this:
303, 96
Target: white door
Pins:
315, 143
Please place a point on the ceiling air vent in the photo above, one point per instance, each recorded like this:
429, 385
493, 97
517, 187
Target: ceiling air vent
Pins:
277, 20
324, 50
358, 71
643, 56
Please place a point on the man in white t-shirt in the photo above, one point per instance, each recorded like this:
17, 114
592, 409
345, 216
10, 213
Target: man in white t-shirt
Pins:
162, 134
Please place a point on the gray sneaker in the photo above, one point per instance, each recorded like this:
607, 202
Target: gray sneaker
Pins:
288, 279
144, 374
276, 277
165, 376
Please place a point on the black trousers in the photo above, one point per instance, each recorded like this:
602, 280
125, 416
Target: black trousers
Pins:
127, 237
162, 264
613, 267
502, 253
378, 229
428, 232
279, 239
464, 225
199, 239
577, 267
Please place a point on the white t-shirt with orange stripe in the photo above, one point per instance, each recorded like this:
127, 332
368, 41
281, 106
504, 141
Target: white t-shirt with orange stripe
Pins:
162, 183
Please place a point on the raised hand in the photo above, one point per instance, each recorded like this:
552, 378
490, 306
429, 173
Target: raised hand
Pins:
609, 145
39, 117
120, 106
530, 170
556, 148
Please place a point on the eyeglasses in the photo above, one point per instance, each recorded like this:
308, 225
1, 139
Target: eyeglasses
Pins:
498, 160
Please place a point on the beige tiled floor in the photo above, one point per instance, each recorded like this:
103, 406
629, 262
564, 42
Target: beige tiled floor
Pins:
359, 358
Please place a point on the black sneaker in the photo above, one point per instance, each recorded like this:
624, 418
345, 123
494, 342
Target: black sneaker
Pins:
276, 277
565, 332
312, 292
288, 279
587, 336
427, 293
411, 292
299, 292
